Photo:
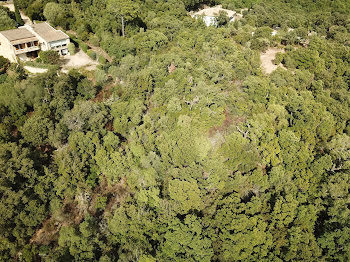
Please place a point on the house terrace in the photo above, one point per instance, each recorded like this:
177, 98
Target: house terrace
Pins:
18, 42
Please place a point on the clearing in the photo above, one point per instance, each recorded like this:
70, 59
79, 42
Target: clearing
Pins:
80, 59
35, 70
267, 59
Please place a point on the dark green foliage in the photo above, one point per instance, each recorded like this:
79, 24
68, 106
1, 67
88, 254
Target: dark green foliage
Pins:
222, 19
181, 148
92, 54
19, 20
84, 47
7, 19
4, 63
49, 57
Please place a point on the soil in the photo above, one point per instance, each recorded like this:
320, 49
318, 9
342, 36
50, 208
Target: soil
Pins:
35, 70
79, 60
104, 93
267, 59
72, 214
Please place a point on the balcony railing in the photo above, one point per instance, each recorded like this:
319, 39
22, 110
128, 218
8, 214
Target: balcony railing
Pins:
26, 49
60, 47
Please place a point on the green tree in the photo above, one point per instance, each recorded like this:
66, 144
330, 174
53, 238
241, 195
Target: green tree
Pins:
19, 19
55, 13
186, 241
36, 130
49, 57
127, 10
5, 20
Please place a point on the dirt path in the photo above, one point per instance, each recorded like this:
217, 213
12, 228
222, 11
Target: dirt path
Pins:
100, 51
96, 49
267, 59
35, 70
25, 18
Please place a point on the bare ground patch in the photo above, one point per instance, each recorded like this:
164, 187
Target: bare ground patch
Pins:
74, 211
267, 60
35, 70
79, 60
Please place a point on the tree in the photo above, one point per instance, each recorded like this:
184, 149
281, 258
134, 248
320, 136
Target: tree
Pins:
5, 20
186, 241
36, 130
222, 19
127, 10
19, 19
4, 63
55, 13
186, 195
49, 57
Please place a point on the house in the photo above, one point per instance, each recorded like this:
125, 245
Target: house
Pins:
209, 14
24, 43
18, 43
50, 38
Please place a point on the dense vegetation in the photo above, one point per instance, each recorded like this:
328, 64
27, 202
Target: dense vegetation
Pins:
181, 149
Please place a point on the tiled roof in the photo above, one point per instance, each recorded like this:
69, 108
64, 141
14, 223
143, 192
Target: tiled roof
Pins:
214, 11
19, 34
48, 33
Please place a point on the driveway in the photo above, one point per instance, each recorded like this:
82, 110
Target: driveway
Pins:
79, 60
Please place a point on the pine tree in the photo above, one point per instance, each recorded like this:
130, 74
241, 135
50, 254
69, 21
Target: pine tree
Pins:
19, 19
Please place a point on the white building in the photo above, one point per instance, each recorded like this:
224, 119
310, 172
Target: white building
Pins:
210, 14
18, 43
24, 43
50, 38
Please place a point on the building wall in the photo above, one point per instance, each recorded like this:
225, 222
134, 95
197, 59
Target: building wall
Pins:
61, 45
7, 50
208, 20
211, 20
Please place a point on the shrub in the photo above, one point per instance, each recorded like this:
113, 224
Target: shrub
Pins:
100, 76
4, 63
49, 57
101, 59
94, 40
92, 54
113, 71
83, 46
222, 19
71, 48
279, 58
260, 44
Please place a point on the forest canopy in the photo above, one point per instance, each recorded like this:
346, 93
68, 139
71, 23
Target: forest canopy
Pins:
181, 148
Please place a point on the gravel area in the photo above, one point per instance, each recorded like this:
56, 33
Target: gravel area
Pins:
267, 60
35, 70
79, 60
